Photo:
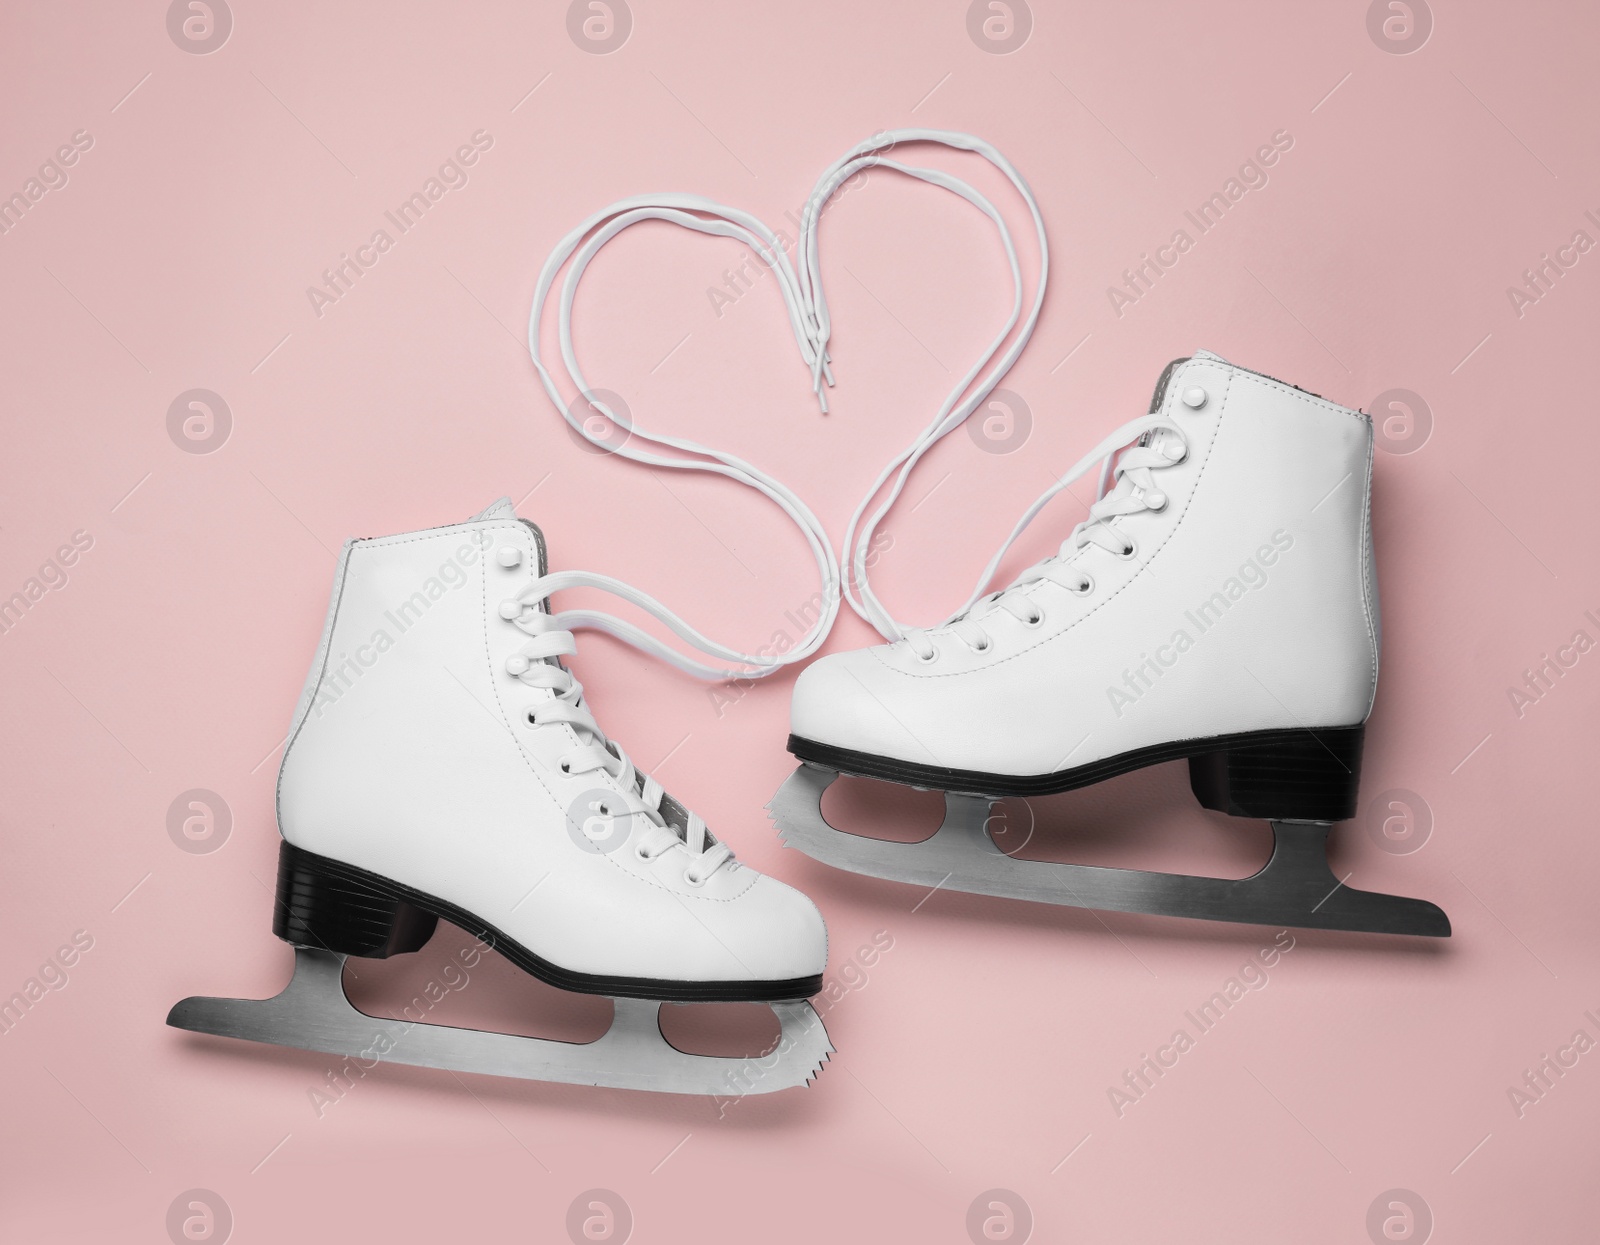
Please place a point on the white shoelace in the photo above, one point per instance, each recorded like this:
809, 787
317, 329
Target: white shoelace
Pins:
641, 795
956, 408
811, 324
708, 217
1134, 489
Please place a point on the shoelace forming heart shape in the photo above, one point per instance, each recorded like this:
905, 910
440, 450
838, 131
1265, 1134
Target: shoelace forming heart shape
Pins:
811, 323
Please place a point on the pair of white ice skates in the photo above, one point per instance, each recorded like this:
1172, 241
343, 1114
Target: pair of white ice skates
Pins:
1219, 605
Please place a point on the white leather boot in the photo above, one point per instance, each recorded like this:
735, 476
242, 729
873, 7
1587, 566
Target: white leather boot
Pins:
442, 763
1219, 605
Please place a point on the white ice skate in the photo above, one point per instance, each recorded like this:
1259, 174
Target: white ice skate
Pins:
442, 763
1218, 605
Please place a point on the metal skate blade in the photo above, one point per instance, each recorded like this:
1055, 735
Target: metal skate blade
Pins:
313, 1013
1294, 888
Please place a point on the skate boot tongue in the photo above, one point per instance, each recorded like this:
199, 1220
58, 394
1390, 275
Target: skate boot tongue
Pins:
502, 509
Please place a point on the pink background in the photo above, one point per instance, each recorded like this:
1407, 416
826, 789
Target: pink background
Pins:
978, 1052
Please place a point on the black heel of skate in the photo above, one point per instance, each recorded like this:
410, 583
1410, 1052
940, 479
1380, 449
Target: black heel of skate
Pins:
1289, 775
319, 905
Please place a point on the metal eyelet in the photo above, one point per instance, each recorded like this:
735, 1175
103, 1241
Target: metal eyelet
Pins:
931, 656
984, 647
691, 878
1036, 621
1086, 587
566, 767
641, 854
1131, 552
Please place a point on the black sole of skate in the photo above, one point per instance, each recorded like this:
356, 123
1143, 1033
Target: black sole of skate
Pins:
1299, 780
1294, 774
328, 905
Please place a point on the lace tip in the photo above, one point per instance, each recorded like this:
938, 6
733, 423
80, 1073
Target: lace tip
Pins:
819, 367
